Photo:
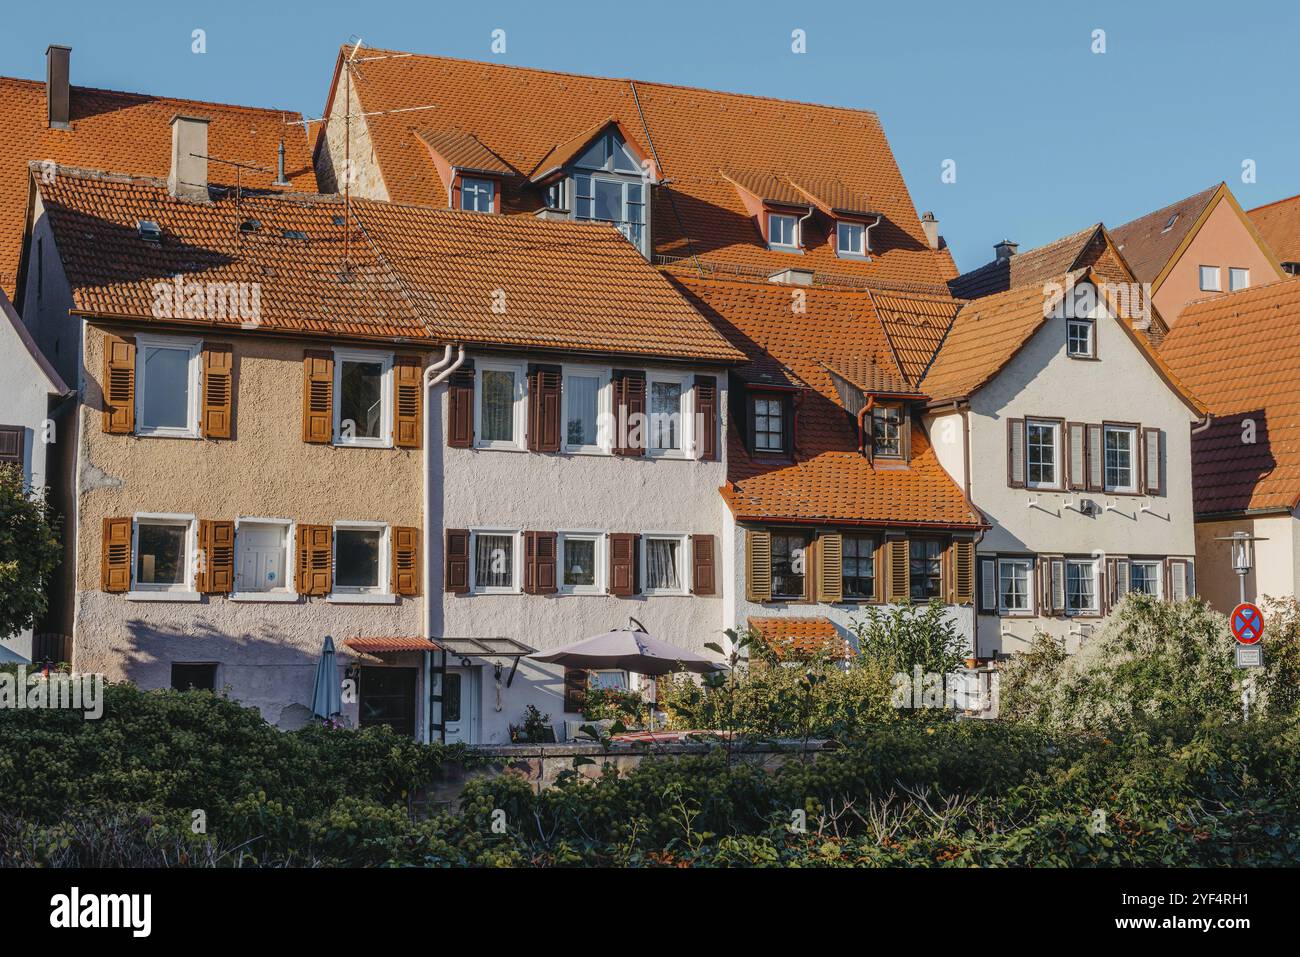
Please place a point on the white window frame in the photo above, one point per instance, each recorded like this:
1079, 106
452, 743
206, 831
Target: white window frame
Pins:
685, 422
520, 443
1159, 567
1095, 608
516, 562
288, 592
683, 564
1234, 271
1132, 431
356, 594
1056, 453
480, 182
627, 677
385, 438
1003, 609
840, 251
599, 556
794, 232
1206, 271
1091, 327
623, 180
151, 591
604, 408
143, 343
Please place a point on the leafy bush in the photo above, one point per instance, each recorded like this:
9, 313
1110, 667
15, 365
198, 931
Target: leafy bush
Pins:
907, 636
29, 552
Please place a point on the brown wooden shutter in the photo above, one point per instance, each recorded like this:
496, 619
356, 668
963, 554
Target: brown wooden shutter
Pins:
406, 560
408, 373
1178, 577
218, 390
456, 562
12, 440
575, 690
1016, 453
898, 570
830, 567
540, 562
989, 585
704, 580
758, 565
544, 390
115, 558
1076, 455
460, 407
119, 385
632, 431
318, 396
315, 559
623, 564
706, 416
216, 573
1096, 459
963, 572
1152, 440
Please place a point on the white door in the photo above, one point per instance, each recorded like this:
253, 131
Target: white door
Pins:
460, 701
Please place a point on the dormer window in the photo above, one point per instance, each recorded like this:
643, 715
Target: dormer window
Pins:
851, 240
887, 431
782, 231
769, 424
477, 195
613, 200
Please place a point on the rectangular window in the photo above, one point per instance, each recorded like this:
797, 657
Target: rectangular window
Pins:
1081, 588
164, 553
1210, 279
500, 406
616, 200
850, 239
1078, 339
1014, 577
1238, 279
1144, 577
262, 557
925, 561
477, 195
167, 387
363, 384
663, 569
191, 677
360, 559
859, 567
582, 563
1042, 453
886, 431
582, 397
495, 561
606, 679
788, 565
669, 416
1120, 448
782, 230
769, 424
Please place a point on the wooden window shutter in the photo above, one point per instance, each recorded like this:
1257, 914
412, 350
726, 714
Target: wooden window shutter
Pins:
115, 559
575, 690
406, 560
408, 407
216, 572
899, 588
218, 390
704, 579
630, 425
989, 585
623, 570
1152, 440
540, 562
758, 565
544, 390
456, 562
318, 396
460, 407
830, 567
1117, 569
1054, 586
119, 385
963, 572
12, 440
1076, 446
1178, 576
706, 417
1096, 459
1016, 453
315, 559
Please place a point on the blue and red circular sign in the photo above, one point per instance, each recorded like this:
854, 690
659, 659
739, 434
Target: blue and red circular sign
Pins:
1247, 623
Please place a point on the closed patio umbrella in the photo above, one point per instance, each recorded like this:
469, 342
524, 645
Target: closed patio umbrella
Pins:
628, 649
327, 699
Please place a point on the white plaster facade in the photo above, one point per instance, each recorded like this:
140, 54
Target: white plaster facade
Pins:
1276, 568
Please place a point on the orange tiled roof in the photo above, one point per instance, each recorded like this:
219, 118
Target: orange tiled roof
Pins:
130, 133
829, 480
1149, 241
868, 376
1279, 224
525, 114
1032, 267
463, 151
1240, 352
915, 326
802, 638
415, 273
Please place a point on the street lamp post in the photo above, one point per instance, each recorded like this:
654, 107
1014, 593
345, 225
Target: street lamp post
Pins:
1243, 555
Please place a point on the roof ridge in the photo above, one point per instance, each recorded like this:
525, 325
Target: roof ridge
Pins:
39, 84
1167, 206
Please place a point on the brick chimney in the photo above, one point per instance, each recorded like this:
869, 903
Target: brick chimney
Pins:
189, 175
1005, 250
931, 227
57, 96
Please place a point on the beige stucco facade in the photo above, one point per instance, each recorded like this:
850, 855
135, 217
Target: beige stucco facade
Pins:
1276, 567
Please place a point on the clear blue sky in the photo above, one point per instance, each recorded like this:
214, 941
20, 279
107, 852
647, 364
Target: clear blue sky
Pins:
1048, 137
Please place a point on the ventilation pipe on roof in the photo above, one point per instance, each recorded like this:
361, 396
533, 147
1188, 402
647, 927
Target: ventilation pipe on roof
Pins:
188, 178
57, 91
1005, 250
931, 227
279, 167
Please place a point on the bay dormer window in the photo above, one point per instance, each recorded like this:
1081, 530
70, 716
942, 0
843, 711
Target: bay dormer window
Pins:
609, 185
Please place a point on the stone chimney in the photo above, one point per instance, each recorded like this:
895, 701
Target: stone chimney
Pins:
189, 176
1005, 250
57, 96
931, 227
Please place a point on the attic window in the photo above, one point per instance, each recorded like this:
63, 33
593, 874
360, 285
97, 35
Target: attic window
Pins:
250, 226
294, 234
1170, 225
149, 231
782, 231
339, 221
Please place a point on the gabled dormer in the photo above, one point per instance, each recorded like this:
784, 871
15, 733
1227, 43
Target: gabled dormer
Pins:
472, 174
779, 210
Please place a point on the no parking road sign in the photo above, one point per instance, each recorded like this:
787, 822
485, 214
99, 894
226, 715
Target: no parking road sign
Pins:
1247, 623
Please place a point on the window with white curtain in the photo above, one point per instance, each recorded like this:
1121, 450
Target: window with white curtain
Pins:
1081, 587
500, 406
582, 397
495, 561
663, 559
